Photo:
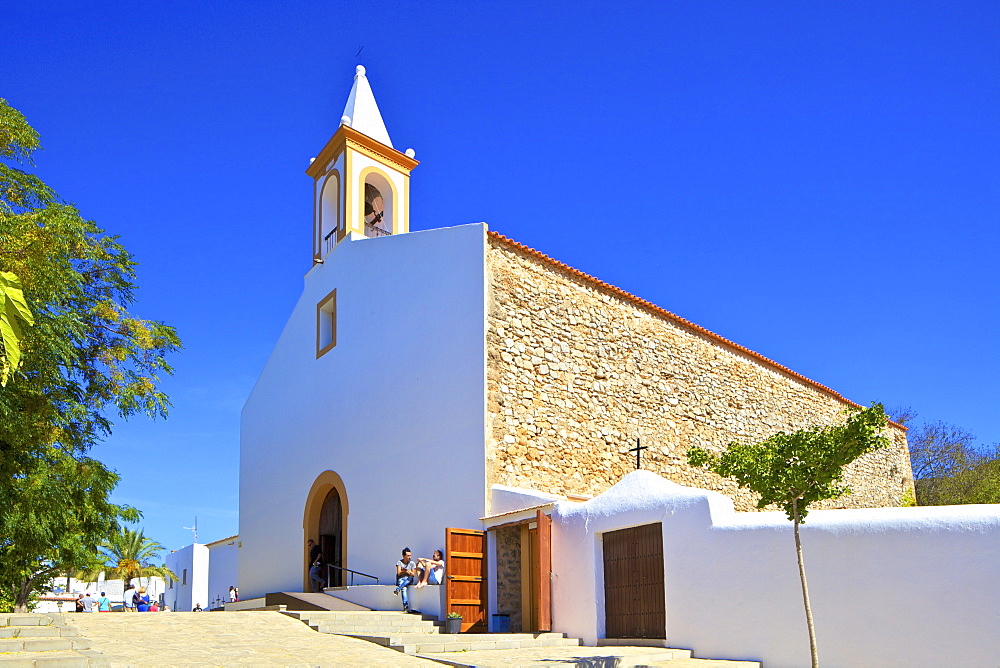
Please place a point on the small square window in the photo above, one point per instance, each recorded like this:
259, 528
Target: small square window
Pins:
326, 324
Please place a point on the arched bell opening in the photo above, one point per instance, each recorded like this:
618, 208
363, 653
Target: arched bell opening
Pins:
325, 523
378, 211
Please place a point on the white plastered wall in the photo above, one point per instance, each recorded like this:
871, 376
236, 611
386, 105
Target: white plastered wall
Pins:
889, 586
193, 559
222, 569
397, 408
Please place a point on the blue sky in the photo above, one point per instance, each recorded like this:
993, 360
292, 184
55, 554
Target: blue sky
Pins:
819, 182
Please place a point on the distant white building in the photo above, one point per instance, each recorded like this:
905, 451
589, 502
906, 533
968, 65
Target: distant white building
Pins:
205, 573
114, 589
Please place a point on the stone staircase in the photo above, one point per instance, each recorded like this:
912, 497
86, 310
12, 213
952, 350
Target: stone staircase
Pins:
417, 634
28, 640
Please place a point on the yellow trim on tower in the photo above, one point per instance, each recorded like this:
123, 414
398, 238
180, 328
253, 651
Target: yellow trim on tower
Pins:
347, 136
349, 182
405, 222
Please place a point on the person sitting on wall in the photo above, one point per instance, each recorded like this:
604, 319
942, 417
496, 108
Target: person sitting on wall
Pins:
406, 571
431, 570
197, 608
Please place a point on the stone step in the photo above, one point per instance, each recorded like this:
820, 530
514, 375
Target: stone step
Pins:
421, 643
372, 629
37, 631
617, 656
69, 659
382, 616
410, 620
484, 645
31, 619
43, 644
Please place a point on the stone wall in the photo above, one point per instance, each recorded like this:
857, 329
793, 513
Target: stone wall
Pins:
508, 574
577, 370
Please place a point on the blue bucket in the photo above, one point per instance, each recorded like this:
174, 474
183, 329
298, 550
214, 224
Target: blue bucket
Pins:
501, 623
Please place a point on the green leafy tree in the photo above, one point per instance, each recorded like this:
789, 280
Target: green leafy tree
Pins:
84, 359
52, 515
949, 467
14, 315
85, 356
794, 470
129, 554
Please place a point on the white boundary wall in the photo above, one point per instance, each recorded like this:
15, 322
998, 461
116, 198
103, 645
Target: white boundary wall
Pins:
428, 600
889, 586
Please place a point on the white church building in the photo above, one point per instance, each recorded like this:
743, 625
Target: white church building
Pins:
452, 389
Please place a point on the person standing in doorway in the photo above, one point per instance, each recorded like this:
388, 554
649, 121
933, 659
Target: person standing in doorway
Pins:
406, 571
316, 577
314, 551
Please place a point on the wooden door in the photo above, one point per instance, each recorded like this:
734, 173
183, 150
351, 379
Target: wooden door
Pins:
543, 572
331, 538
465, 577
633, 583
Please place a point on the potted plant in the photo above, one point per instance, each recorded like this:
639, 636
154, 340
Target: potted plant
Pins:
453, 624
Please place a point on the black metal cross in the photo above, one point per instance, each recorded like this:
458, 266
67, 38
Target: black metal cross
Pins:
638, 453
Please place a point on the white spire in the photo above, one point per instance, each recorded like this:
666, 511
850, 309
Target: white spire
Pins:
361, 112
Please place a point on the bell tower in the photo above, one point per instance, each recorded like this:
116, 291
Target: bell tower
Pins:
361, 184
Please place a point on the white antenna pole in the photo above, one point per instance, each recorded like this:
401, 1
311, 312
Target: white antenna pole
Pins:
194, 528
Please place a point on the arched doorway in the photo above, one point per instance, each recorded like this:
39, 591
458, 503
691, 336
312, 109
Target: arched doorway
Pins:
325, 522
331, 537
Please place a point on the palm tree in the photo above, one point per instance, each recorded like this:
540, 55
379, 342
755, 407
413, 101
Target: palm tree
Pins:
128, 554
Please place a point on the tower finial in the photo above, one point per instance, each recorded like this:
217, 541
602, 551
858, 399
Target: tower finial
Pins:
363, 112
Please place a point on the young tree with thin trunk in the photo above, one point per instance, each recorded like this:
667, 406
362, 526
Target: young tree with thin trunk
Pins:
794, 470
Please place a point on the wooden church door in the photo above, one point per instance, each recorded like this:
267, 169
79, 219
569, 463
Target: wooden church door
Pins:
634, 605
465, 577
536, 574
331, 537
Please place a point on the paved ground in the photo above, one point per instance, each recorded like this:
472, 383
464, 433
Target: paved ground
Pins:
226, 638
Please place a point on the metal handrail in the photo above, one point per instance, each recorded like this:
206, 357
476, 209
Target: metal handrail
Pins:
372, 231
353, 573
